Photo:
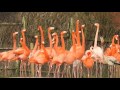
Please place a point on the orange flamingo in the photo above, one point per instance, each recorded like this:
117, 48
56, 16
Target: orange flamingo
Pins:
113, 47
71, 55
88, 61
80, 49
50, 50
59, 58
22, 53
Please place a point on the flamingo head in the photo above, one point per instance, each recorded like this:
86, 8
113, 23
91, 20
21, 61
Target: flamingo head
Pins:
54, 34
15, 33
83, 26
39, 27
96, 24
73, 30
116, 37
21, 40
36, 36
51, 28
79, 31
88, 53
43, 42
24, 30
63, 32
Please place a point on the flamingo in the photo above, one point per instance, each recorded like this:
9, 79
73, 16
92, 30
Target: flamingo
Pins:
80, 49
71, 55
97, 51
22, 53
41, 56
88, 61
60, 56
113, 47
8, 55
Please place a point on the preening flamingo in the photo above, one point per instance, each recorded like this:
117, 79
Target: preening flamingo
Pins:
88, 61
113, 47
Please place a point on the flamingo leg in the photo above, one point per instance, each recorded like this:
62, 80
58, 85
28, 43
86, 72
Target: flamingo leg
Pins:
74, 71
63, 72
100, 70
81, 69
40, 73
69, 71
21, 68
50, 68
58, 71
55, 71
37, 71
88, 72
96, 69
5, 69
24, 67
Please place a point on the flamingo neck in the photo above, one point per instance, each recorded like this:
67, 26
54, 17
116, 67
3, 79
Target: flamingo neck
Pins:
83, 39
42, 35
23, 35
77, 32
56, 43
36, 44
73, 42
63, 43
14, 42
113, 40
96, 37
50, 40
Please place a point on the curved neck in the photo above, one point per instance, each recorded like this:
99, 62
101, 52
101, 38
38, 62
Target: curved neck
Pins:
113, 40
77, 32
63, 42
73, 41
36, 44
27, 50
50, 39
14, 42
83, 39
96, 37
42, 35
56, 41
23, 35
